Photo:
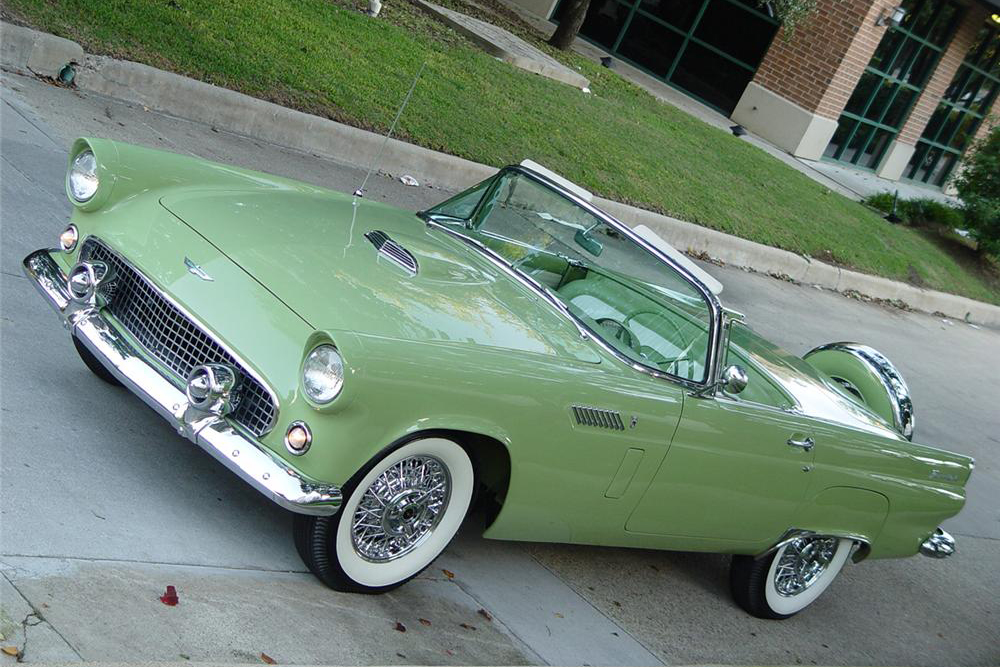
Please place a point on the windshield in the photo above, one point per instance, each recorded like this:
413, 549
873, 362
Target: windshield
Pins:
626, 295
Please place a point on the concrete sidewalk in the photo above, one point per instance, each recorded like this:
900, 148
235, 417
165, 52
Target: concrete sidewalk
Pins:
32, 52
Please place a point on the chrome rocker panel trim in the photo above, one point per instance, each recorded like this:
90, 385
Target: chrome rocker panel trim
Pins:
242, 455
939, 545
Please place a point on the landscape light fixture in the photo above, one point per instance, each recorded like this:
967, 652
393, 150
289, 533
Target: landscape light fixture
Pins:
891, 17
995, 18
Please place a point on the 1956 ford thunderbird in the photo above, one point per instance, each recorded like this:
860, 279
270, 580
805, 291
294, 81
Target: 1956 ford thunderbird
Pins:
374, 371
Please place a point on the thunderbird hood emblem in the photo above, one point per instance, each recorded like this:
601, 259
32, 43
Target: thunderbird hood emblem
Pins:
197, 270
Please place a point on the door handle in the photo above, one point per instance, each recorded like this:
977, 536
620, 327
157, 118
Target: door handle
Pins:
806, 444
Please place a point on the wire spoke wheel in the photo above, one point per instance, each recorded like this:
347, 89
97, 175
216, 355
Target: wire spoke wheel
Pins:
802, 564
401, 508
399, 513
785, 582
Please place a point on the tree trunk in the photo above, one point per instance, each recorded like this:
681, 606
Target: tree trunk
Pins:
569, 23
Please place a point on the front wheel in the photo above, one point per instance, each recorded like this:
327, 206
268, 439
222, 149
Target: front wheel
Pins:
395, 521
95, 366
789, 580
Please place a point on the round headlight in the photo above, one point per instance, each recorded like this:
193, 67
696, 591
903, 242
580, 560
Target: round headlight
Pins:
323, 374
82, 176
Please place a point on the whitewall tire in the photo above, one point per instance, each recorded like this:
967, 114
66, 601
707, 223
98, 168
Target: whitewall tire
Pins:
787, 581
396, 519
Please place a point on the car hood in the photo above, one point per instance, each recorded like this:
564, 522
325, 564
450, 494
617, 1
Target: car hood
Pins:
815, 394
310, 250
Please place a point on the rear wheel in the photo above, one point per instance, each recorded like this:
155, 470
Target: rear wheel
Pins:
95, 366
789, 580
395, 520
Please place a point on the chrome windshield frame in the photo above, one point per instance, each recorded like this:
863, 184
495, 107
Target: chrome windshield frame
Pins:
716, 311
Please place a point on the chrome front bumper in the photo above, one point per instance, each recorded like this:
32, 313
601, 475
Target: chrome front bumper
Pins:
939, 545
246, 457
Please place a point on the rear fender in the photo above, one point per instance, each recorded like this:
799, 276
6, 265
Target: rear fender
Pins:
845, 512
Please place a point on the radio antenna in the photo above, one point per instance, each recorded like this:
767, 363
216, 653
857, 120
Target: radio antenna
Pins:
360, 192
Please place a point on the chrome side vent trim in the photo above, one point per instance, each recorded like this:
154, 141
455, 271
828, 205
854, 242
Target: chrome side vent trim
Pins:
598, 418
392, 250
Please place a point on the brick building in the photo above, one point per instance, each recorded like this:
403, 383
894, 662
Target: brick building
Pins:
898, 87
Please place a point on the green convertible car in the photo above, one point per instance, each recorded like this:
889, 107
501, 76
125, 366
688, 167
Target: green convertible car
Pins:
375, 371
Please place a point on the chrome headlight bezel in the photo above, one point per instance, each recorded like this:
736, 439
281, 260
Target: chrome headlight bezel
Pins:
82, 180
322, 374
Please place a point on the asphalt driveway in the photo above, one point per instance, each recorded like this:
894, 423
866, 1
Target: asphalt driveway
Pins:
103, 506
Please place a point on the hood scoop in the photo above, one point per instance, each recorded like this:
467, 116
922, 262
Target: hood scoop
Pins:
392, 251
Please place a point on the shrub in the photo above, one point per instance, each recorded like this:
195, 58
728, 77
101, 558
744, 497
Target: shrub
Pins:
978, 185
921, 211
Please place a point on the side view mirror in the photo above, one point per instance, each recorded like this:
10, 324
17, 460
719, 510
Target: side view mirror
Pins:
734, 379
588, 242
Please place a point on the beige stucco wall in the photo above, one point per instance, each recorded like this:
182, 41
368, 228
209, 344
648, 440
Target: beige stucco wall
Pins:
895, 160
782, 122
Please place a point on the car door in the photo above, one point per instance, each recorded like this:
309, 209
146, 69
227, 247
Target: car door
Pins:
737, 469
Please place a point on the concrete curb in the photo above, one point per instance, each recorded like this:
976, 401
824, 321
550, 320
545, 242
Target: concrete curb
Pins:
25, 49
32, 52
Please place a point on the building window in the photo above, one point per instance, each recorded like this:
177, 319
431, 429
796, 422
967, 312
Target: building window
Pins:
965, 104
892, 82
710, 49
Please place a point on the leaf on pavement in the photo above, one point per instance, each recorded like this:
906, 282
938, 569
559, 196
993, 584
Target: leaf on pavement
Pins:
10, 650
268, 659
170, 597
558, 615
449, 574
467, 626
400, 627
485, 614
424, 621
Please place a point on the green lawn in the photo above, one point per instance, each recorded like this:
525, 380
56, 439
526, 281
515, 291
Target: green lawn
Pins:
620, 142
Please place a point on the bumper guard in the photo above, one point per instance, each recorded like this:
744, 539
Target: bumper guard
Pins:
246, 457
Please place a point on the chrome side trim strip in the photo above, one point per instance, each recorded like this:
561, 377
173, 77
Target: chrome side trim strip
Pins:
246, 457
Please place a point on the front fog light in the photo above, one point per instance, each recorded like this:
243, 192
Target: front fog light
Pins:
69, 238
298, 438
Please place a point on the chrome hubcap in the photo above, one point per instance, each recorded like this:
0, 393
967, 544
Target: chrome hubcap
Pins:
401, 508
802, 563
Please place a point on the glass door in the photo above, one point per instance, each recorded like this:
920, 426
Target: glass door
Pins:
892, 82
710, 49
965, 104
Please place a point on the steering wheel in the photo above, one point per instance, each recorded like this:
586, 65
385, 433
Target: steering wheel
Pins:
619, 332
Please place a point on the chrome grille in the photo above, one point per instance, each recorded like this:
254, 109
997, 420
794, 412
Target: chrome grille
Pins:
598, 418
392, 250
175, 340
